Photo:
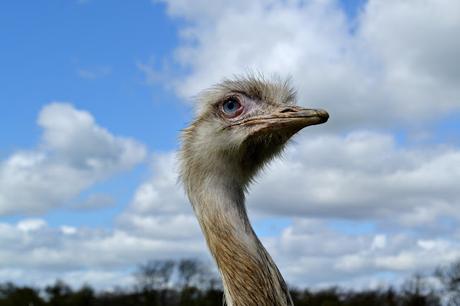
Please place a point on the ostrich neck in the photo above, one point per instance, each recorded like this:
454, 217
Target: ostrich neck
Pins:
249, 275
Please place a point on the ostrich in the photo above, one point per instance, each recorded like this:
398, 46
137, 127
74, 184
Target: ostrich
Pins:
242, 123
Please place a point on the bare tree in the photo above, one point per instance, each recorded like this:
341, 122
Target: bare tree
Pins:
449, 276
193, 272
188, 269
155, 274
418, 291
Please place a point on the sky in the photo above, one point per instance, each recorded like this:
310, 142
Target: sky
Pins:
96, 92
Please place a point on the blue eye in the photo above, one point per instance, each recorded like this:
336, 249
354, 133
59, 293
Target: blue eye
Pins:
232, 107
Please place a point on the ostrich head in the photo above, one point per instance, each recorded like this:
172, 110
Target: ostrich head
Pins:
241, 125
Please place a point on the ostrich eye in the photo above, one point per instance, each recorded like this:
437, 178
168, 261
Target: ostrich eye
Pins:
232, 107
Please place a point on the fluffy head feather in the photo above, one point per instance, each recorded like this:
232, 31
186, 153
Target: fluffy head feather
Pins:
212, 144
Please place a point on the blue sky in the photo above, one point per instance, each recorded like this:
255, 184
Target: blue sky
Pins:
132, 67
45, 47
48, 47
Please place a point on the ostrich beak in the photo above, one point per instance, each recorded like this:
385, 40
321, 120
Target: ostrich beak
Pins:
299, 116
290, 119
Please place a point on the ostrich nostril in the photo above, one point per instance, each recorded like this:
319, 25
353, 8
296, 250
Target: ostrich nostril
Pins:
288, 110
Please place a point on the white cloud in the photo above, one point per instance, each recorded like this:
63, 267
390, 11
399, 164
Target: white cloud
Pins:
68, 230
159, 207
379, 242
311, 254
29, 225
68, 248
362, 176
397, 66
158, 224
73, 153
162, 193
99, 279
38, 254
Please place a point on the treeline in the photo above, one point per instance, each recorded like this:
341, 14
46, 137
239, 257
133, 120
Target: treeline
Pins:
189, 282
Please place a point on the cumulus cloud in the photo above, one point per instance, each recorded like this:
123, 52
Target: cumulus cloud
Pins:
159, 207
309, 252
73, 154
397, 56
162, 193
95, 255
362, 176
326, 257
